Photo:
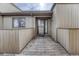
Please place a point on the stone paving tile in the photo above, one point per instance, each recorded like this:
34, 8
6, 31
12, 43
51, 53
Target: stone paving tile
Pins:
42, 46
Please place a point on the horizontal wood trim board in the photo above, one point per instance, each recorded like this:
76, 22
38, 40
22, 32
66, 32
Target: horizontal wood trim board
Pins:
41, 13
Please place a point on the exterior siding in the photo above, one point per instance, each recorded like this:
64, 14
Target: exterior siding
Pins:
13, 40
66, 17
54, 24
1, 21
7, 21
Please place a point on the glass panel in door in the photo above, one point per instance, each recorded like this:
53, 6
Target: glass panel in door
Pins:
41, 27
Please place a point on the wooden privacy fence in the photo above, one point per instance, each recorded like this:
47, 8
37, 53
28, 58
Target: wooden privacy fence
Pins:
14, 40
69, 39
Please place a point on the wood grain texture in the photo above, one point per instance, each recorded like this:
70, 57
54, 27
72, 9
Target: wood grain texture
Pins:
13, 41
63, 38
54, 24
1, 41
74, 41
24, 37
7, 22
1, 21
10, 43
69, 39
67, 15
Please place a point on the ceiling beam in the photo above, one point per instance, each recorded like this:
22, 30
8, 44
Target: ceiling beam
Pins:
29, 13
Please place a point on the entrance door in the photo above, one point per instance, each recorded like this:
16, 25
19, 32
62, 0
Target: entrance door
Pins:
42, 27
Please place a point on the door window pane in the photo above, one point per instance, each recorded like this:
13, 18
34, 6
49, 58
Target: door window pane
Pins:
41, 27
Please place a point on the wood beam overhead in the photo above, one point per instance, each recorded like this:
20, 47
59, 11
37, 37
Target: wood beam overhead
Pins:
29, 13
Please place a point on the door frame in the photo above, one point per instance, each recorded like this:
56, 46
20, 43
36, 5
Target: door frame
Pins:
37, 30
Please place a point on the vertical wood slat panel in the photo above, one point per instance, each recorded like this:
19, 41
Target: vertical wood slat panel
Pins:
5, 41
54, 24
8, 41
24, 37
77, 41
67, 15
69, 39
1, 41
74, 41
63, 38
13, 41
7, 22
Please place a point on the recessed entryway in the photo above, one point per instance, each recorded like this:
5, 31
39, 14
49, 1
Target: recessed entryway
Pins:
42, 26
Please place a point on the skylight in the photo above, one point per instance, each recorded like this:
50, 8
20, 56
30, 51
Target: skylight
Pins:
34, 6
